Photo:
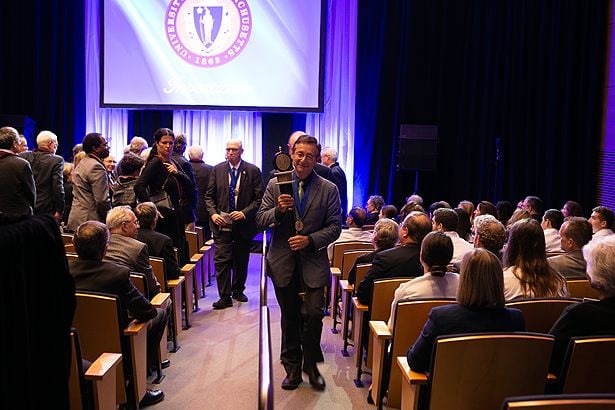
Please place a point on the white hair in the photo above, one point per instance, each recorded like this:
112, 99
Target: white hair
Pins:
331, 152
44, 137
600, 257
145, 153
117, 215
138, 144
195, 152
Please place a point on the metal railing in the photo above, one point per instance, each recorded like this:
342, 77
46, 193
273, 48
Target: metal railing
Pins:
265, 382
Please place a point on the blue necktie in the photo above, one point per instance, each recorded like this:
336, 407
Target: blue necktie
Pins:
232, 185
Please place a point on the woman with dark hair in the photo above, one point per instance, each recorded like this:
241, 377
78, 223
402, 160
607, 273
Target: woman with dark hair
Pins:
505, 210
572, 208
436, 282
479, 308
527, 273
464, 226
485, 208
162, 173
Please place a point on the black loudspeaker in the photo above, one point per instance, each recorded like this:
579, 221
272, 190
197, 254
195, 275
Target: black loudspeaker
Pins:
22, 123
418, 147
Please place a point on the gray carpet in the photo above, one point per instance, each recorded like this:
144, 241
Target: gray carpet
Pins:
217, 364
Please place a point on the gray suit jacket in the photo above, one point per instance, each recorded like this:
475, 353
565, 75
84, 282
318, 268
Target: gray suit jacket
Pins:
321, 222
571, 265
90, 193
133, 254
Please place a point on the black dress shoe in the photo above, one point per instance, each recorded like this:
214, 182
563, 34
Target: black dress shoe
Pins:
240, 297
316, 380
223, 303
293, 380
151, 397
165, 363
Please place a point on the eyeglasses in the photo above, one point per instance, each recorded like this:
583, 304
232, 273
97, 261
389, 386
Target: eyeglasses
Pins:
301, 155
136, 222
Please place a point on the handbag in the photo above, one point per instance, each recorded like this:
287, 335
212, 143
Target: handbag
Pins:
162, 201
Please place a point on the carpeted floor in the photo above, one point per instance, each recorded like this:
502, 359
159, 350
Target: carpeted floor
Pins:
217, 364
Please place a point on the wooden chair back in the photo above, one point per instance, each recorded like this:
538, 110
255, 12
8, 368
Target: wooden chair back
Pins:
561, 402
348, 260
589, 365
479, 371
410, 317
101, 329
580, 288
541, 314
67, 238
76, 382
340, 247
139, 280
158, 269
71, 256
361, 271
193, 242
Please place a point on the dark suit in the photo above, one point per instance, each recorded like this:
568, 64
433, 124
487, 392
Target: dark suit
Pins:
367, 258
202, 171
161, 246
189, 204
339, 179
457, 319
48, 172
17, 189
134, 255
232, 248
371, 218
301, 320
114, 279
398, 262
591, 318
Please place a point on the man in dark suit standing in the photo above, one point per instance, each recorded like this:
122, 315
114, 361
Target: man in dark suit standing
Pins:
202, 171
234, 194
158, 244
179, 147
329, 159
17, 189
305, 223
90, 272
48, 170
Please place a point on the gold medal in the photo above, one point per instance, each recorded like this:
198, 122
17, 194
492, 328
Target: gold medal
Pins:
298, 225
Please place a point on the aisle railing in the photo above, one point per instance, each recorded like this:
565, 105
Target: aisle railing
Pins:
265, 382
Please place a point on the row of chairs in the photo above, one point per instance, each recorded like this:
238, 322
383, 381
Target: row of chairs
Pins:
98, 314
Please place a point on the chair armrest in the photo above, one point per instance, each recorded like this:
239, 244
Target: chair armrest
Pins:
409, 375
187, 268
105, 363
135, 327
336, 271
204, 249
173, 283
380, 329
359, 306
345, 286
161, 300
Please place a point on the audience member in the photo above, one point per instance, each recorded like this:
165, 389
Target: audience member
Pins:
438, 205
67, 175
188, 206
518, 214
407, 209
124, 188
329, 159
527, 273
388, 211
373, 207
77, 148
355, 221
23, 144
437, 281
48, 169
386, 235
572, 208
533, 205
601, 219
78, 157
505, 210
110, 165
551, 222
479, 308
468, 207
137, 146
485, 208
490, 234
575, 232
17, 188
464, 226
91, 273
158, 244
124, 248
90, 183
417, 199
445, 220
590, 318
202, 171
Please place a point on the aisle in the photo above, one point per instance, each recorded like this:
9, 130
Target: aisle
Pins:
217, 364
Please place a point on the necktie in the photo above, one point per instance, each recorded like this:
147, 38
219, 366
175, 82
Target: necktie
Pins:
300, 190
232, 186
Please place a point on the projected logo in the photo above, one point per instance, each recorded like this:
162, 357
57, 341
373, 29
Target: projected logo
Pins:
208, 33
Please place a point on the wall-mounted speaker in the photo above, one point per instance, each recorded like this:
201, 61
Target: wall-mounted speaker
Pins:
418, 147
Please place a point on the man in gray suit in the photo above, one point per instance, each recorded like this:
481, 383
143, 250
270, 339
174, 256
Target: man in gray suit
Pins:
124, 248
90, 183
304, 224
576, 231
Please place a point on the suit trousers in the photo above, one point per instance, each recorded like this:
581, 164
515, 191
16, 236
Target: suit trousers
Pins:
301, 323
155, 330
232, 253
